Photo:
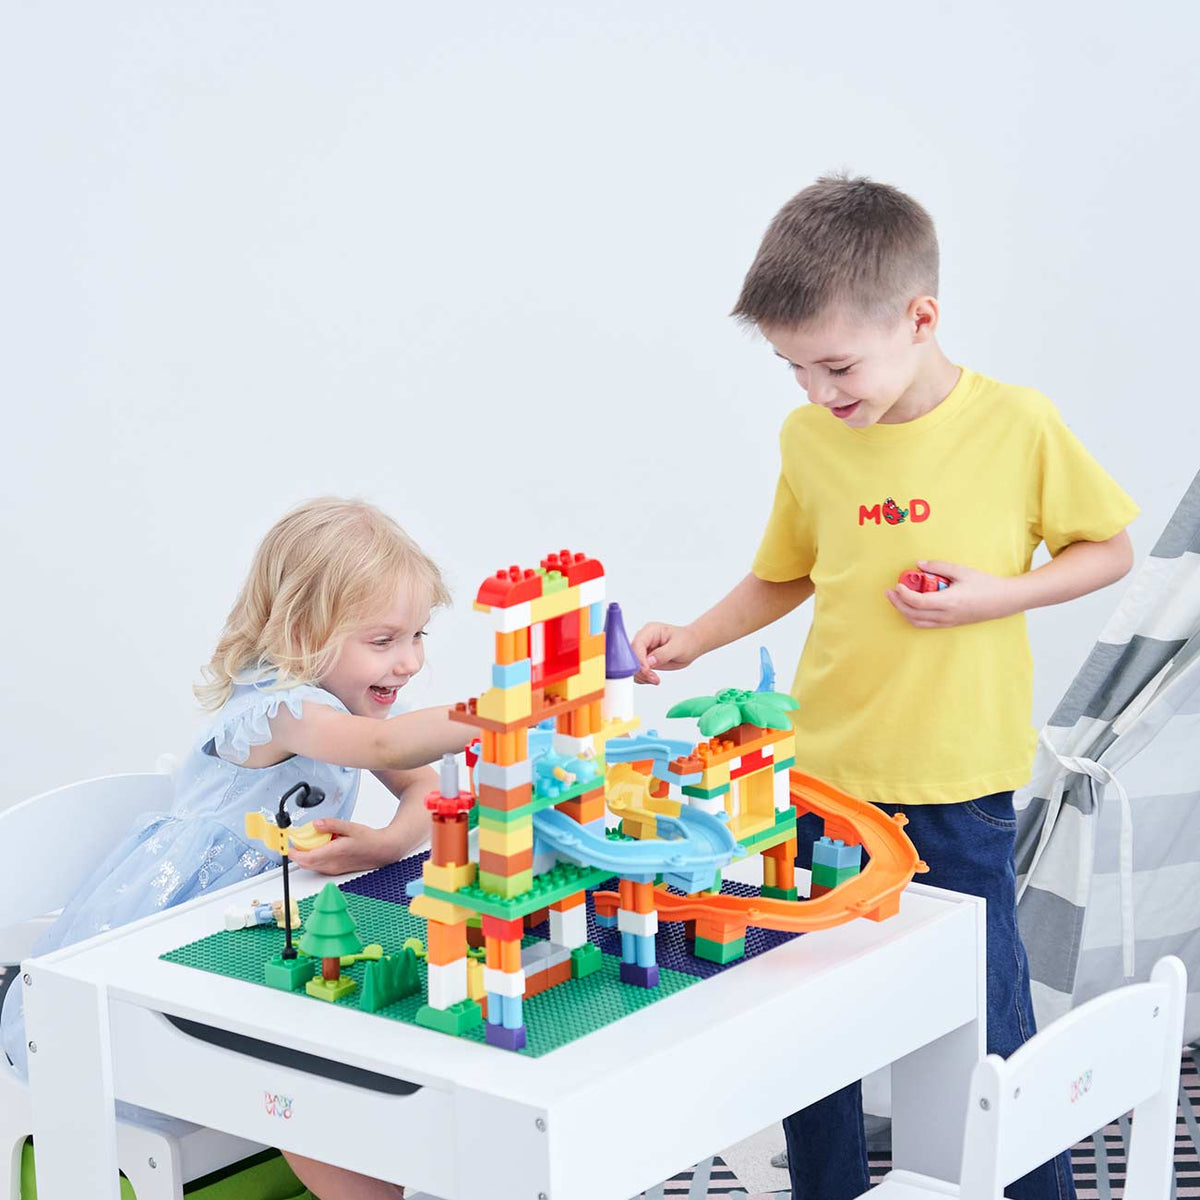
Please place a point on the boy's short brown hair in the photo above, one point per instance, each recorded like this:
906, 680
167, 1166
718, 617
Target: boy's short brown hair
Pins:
841, 241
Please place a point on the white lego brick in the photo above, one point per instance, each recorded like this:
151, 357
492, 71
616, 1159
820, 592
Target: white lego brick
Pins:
618, 703
783, 794
768, 751
576, 747
591, 592
735, 764
503, 983
514, 776
509, 620
569, 928
535, 958
447, 983
537, 642
642, 924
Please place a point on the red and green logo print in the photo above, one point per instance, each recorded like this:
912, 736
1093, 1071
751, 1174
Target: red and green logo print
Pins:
889, 512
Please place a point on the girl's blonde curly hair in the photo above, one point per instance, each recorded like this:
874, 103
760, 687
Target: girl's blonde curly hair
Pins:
320, 572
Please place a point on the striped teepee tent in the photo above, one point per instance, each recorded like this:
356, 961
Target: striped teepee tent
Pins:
1108, 849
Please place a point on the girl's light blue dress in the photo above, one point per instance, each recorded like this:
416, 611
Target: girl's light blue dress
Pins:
200, 845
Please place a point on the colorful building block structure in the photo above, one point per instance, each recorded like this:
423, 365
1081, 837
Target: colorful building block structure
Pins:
557, 748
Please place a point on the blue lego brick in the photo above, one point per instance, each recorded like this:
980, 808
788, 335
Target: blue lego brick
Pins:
506, 675
830, 852
596, 618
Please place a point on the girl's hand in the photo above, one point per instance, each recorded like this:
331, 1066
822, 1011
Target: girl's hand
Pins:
972, 596
356, 848
667, 647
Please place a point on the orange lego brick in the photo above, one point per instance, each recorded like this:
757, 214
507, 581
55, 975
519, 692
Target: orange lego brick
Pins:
504, 800
445, 943
536, 918
569, 902
506, 864
584, 809
643, 898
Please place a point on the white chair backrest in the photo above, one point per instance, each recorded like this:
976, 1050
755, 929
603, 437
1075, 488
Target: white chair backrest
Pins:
1118, 1052
49, 844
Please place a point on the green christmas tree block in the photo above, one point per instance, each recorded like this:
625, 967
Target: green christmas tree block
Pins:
329, 934
388, 980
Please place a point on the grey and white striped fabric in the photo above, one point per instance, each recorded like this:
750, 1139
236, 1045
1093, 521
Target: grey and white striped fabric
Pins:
1108, 848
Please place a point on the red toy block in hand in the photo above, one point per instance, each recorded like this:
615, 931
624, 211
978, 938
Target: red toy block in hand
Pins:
923, 581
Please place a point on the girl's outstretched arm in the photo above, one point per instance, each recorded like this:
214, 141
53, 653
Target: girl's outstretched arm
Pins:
359, 847
400, 743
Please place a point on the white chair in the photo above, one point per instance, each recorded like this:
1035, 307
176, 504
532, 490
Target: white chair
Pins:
1118, 1052
48, 845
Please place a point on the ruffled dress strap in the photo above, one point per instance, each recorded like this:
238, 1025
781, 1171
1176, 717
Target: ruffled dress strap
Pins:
245, 720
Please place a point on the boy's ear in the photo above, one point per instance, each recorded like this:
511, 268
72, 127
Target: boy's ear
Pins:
922, 315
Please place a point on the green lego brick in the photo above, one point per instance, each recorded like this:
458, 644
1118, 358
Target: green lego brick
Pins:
508, 886
288, 974
585, 960
564, 880
498, 818
330, 989
720, 952
456, 1020
775, 893
552, 581
690, 789
831, 877
785, 764
557, 1016
783, 830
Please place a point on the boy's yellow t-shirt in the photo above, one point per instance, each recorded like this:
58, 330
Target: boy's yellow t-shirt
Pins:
888, 712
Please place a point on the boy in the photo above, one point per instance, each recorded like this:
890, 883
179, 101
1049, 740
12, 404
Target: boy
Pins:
912, 700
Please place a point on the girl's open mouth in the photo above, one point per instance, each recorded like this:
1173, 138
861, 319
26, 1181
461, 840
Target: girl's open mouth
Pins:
383, 695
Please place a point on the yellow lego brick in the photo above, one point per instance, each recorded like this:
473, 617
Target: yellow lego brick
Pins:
785, 748
499, 885
475, 988
716, 776
506, 704
546, 608
429, 909
747, 824
449, 879
481, 607
510, 841
589, 679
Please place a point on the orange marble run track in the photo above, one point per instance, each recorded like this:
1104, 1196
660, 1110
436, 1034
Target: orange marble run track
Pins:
874, 893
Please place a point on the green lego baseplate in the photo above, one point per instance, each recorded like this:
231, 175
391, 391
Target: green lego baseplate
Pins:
559, 1015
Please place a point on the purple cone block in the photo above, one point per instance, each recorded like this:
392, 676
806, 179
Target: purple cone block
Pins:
619, 659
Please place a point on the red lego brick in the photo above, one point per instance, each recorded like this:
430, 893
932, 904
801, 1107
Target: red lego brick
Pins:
506, 588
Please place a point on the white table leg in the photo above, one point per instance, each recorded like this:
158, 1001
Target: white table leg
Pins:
929, 1103
70, 1077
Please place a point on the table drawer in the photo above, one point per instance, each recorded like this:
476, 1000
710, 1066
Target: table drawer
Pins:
374, 1123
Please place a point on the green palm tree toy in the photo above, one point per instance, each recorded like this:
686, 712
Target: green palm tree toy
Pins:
329, 933
734, 709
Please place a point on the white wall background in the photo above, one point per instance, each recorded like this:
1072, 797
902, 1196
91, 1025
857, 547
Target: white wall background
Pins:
473, 262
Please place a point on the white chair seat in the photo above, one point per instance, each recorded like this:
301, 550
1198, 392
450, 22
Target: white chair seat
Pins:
904, 1185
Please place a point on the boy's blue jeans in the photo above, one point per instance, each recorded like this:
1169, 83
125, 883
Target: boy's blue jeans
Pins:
969, 848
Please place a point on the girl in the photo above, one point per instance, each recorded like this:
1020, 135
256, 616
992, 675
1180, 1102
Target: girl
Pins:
328, 628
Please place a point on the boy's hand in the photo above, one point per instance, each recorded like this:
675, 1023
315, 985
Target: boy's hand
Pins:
972, 596
355, 848
667, 647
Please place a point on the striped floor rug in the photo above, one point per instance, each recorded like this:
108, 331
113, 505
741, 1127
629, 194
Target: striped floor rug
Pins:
1099, 1162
